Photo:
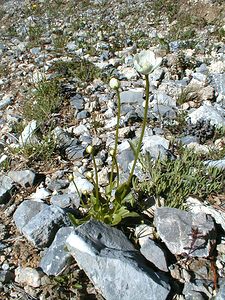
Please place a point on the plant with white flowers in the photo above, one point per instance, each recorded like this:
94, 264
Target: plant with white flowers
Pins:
111, 206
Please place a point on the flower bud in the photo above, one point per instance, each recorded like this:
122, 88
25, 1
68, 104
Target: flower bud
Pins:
114, 83
89, 149
70, 177
111, 152
89, 175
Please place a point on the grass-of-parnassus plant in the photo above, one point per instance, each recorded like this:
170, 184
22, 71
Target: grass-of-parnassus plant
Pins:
112, 206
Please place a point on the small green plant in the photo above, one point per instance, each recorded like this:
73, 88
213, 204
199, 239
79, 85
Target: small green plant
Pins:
43, 101
35, 33
60, 41
187, 94
77, 68
35, 151
3, 70
115, 203
175, 180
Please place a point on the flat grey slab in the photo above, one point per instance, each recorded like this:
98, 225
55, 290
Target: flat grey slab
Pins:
115, 267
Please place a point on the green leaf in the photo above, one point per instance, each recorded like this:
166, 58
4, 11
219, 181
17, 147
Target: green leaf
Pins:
122, 191
78, 286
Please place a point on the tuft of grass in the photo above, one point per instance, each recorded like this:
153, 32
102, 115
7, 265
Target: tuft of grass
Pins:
78, 68
60, 41
4, 71
187, 94
44, 100
175, 180
35, 33
41, 151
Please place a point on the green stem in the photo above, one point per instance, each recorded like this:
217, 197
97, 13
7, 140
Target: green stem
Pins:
96, 177
142, 131
117, 171
116, 142
77, 191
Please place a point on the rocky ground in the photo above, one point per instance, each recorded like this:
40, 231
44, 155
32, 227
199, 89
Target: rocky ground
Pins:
57, 58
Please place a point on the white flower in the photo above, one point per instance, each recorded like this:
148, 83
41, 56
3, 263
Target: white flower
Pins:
146, 62
114, 83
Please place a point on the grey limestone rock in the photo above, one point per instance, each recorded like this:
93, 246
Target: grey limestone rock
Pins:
221, 293
28, 134
132, 96
163, 99
114, 265
208, 112
218, 82
57, 257
6, 188
197, 290
41, 229
6, 100
77, 102
29, 276
176, 228
65, 200
25, 177
26, 211
154, 254
220, 163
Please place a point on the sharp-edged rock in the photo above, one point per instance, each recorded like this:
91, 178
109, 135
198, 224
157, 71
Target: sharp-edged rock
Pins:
113, 264
185, 233
57, 257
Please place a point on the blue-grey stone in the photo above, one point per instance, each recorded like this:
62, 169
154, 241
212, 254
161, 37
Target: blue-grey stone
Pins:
218, 82
164, 99
35, 50
163, 111
57, 257
131, 116
66, 200
71, 46
63, 139
199, 76
202, 69
83, 115
77, 102
157, 74
112, 263
75, 152
185, 140
58, 184
124, 158
220, 163
41, 229
153, 253
28, 134
196, 290
25, 178
157, 146
7, 187
210, 113
7, 100
175, 227
221, 292
132, 96
26, 211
